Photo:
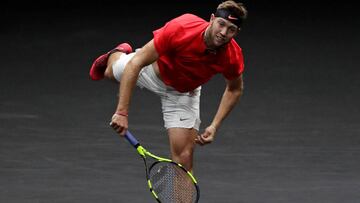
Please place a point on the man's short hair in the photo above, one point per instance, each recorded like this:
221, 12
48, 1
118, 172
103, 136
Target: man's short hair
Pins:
236, 11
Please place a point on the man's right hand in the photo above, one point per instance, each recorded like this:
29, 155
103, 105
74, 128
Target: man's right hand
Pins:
119, 123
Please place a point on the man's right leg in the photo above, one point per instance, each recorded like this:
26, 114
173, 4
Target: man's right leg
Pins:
99, 66
109, 74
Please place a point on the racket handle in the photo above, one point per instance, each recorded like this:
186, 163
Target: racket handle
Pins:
133, 141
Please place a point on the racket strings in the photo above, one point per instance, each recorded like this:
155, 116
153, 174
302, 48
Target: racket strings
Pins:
172, 184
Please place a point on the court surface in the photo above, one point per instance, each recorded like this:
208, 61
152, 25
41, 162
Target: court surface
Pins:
294, 137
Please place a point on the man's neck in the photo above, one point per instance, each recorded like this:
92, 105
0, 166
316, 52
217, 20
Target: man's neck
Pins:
207, 41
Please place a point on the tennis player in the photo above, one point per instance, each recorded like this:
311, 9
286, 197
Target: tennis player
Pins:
183, 54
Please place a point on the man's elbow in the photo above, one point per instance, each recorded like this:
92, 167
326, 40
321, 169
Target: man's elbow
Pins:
238, 91
236, 87
241, 89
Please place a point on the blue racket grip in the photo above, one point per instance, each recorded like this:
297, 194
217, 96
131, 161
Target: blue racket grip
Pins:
133, 141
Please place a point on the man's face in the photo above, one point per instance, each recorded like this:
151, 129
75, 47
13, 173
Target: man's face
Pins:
221, 31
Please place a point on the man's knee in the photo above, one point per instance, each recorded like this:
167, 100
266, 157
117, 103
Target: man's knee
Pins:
109, 72
184, 155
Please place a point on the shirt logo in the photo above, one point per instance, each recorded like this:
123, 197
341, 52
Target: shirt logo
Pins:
232, 18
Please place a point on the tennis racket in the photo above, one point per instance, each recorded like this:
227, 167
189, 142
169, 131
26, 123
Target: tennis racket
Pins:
169, 182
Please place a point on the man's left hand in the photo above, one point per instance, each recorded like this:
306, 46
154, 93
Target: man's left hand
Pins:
207, 136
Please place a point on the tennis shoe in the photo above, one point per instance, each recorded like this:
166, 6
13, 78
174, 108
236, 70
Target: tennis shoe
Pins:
99, 65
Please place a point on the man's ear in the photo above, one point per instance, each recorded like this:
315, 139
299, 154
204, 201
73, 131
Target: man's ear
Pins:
238, 30
212, 17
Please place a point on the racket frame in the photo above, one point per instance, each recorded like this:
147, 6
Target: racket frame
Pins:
145, 153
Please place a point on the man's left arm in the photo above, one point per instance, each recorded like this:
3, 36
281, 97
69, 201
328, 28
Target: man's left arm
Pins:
232, 93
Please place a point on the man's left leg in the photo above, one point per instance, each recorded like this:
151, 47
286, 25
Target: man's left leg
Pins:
182, 145
181, 116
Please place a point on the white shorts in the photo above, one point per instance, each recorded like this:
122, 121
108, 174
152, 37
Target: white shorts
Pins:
180, 110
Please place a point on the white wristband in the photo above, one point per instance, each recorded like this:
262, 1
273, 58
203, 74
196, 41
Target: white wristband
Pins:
211, 126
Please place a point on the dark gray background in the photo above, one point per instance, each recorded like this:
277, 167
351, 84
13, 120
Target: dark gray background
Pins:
294, 137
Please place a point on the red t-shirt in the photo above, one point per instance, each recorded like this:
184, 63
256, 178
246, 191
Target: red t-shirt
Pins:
183, 61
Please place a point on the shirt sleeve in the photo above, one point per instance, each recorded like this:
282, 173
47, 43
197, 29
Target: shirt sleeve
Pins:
166, 38
236, 66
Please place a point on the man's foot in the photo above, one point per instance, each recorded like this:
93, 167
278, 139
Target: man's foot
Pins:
99, 65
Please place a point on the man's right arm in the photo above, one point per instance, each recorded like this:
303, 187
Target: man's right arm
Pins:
145, 56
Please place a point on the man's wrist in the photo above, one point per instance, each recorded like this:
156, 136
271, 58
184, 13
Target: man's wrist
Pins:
122, 113
213, 127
